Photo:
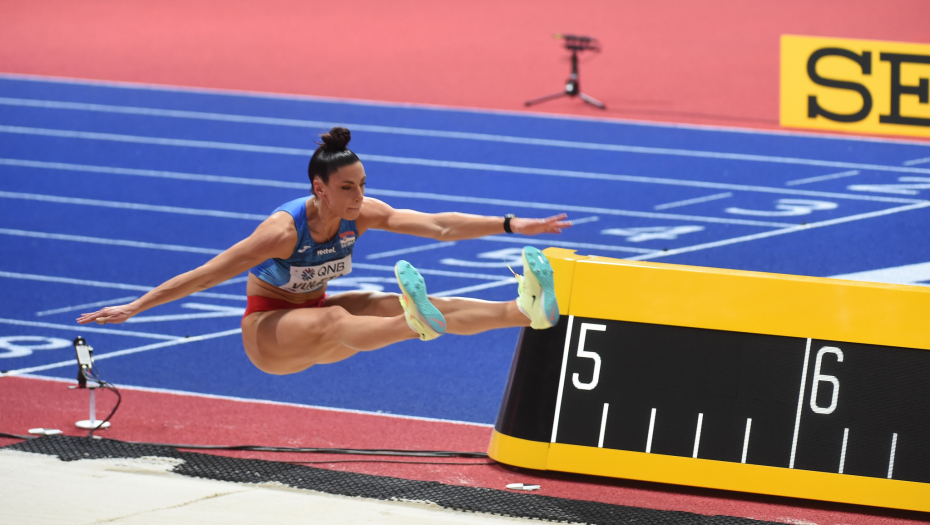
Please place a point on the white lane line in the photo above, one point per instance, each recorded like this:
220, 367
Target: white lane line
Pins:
558, 397
894, 445
475, 288
822, 178
746, 238
79, 328
917, 161
697, 435
584, 220
797, 417
563, 244
415, 195
139, 86
212, 312
234, 280
128, 351
746, 439
652, 424
102, 284
414, 249
471, 165
581, 209
697, 200
600, 438
111, 242
620, 148
118, 300
131, 206
843, 450
427, 271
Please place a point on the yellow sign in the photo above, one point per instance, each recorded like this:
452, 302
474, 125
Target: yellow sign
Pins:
859, 86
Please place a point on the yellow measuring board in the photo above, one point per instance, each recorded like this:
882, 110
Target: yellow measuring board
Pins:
772, 384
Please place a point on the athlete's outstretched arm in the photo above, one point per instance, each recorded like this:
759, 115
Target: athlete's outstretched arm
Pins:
275, 237
450, 226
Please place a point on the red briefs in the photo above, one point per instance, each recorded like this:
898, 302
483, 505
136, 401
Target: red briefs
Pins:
257, 303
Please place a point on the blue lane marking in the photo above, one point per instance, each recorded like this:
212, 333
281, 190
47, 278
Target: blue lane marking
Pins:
90, 218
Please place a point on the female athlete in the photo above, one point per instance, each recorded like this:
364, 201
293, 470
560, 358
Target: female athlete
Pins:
290, 324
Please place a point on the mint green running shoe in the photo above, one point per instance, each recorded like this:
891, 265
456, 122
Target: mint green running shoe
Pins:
537, 290
422, 317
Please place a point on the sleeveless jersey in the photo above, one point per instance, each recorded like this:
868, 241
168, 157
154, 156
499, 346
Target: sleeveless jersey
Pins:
311, 264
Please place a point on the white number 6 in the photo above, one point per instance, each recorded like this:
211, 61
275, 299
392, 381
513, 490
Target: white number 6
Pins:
818, 377
590, 355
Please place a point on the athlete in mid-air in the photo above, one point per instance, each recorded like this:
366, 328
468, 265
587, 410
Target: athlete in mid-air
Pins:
290, 324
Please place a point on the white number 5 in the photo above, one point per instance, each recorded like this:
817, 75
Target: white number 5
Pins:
589, 355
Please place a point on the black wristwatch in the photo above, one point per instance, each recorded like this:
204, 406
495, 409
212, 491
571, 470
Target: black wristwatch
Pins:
507, 222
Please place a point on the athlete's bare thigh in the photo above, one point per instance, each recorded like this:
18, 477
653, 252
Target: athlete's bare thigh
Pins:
378, 304
288, 341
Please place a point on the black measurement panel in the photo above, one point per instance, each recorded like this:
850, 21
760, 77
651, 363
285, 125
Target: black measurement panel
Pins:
788, 402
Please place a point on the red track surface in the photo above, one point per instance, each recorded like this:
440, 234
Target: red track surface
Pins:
699, 61
169, 418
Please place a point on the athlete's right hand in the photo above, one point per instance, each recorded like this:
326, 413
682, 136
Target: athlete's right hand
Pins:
108, 315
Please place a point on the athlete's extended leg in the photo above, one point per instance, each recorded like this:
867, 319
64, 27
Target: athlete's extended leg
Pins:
288, 341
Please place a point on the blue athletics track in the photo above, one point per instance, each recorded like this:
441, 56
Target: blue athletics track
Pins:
107, 190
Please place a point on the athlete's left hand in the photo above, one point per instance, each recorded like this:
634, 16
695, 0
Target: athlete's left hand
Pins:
554, 224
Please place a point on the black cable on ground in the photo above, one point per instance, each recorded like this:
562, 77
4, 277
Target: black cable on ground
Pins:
302, 450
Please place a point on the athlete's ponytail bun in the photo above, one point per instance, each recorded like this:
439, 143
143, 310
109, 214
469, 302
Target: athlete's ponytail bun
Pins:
337, 138
331, 155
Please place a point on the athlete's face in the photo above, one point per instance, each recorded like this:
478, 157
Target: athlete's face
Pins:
345, 191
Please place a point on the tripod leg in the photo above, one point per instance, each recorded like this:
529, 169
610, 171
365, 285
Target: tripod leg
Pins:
594, 102
545, 98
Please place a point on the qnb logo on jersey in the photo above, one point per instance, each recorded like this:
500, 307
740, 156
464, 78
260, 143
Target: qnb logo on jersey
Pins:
326, 251
308, 274
332, 268
346, 239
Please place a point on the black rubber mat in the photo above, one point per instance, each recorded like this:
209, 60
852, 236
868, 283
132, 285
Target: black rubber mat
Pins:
471, 499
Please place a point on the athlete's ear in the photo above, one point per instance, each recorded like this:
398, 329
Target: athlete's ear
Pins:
317, 187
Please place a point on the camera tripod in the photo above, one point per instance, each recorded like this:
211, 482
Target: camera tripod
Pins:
572, 86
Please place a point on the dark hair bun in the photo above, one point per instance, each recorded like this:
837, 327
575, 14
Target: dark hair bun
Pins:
337, 138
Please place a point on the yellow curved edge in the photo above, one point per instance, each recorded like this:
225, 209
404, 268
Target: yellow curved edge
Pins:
758, 479
518, 452
741, 301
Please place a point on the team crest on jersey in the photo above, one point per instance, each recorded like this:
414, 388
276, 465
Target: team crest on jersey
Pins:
346, 239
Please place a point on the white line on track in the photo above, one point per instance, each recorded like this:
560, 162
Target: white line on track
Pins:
431, 133
102, 284
563, 244
78, 328
585, 220
131, 206
696, 200
470, 165
427, 271
413, 249
128, 351
917, 161
503, 282
773, 233
580, 209
111, 242
822, 178
118, 300
405, 194
164, 88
